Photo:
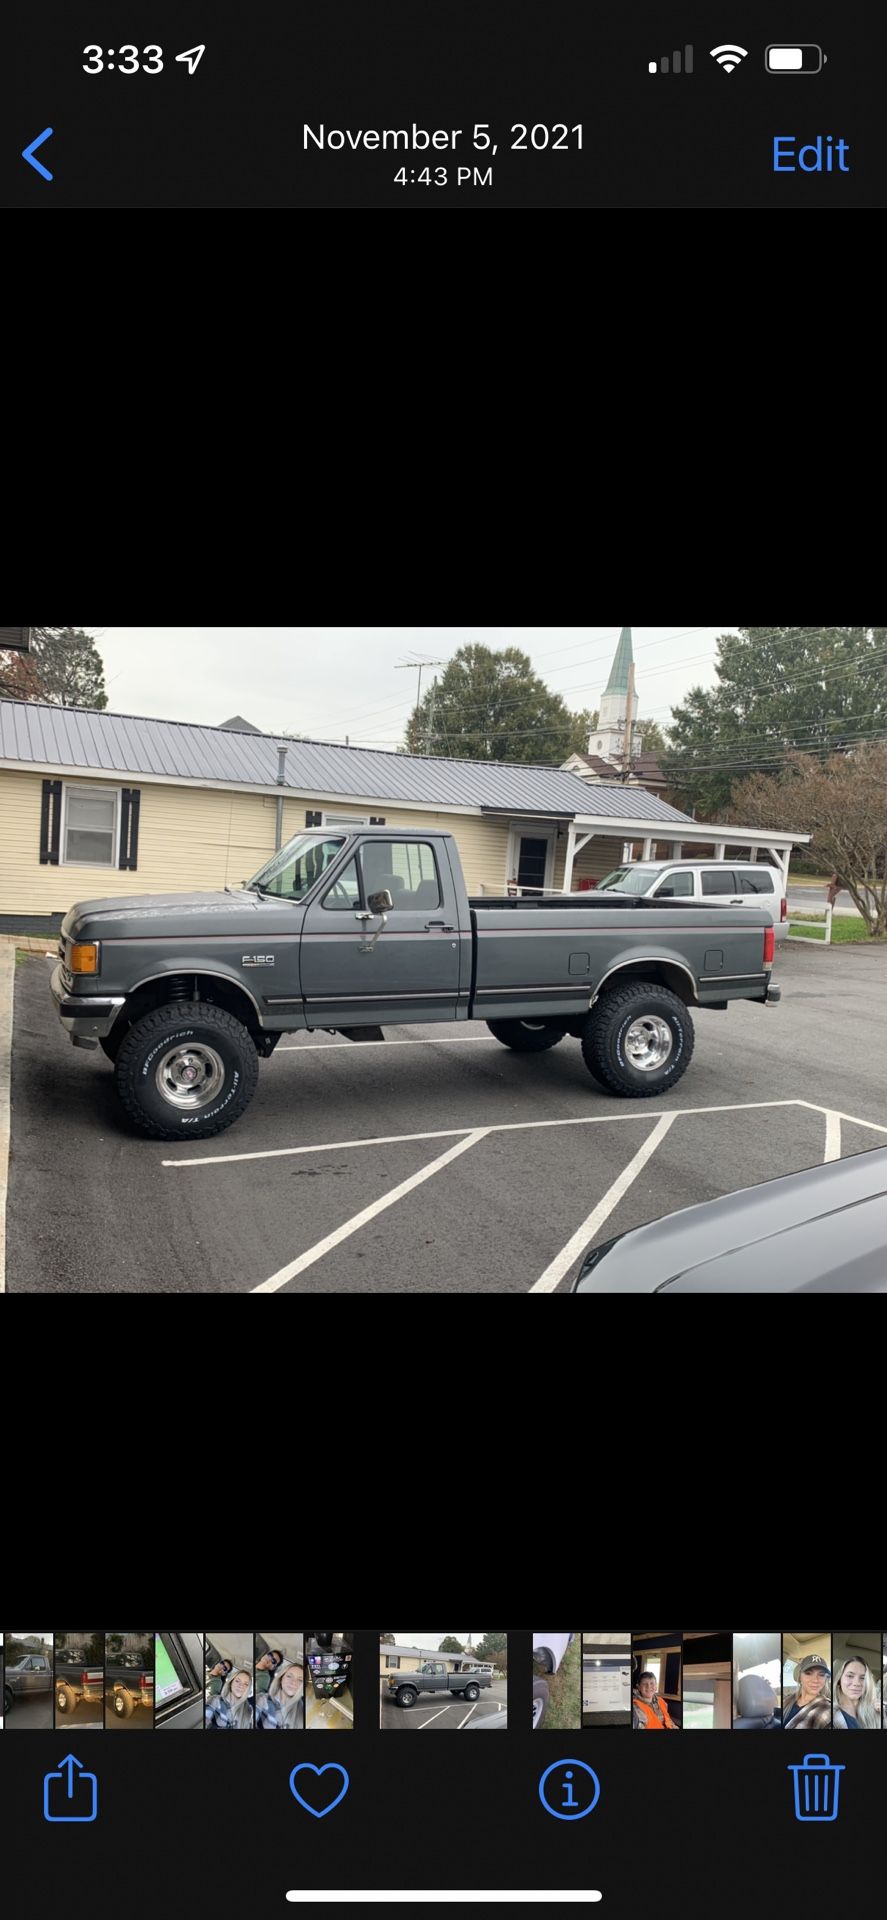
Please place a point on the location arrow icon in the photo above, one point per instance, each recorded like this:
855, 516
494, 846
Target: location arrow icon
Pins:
193, 56
28, 154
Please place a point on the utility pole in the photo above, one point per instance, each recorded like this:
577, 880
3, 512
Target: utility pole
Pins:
629, 721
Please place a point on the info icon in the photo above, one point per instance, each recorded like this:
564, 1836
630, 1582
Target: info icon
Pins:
569, 1789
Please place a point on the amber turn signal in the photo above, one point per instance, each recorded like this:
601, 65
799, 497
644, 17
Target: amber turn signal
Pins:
84, 959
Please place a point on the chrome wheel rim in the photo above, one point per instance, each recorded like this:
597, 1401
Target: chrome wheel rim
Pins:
538, 1710
190, 1076
648, 1043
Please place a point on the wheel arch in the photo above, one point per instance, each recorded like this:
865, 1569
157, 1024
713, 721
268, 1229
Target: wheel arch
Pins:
659, 970
156, 989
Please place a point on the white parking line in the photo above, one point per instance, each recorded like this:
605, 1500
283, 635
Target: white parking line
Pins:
359, 1220
832, 1137
852, 1119
7, 983
468, 1715
433, 1716
511, 1126
551, 1278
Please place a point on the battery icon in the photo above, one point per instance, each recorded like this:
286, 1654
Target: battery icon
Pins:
799, 59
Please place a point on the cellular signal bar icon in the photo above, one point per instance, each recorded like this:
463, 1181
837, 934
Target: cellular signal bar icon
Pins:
675, 64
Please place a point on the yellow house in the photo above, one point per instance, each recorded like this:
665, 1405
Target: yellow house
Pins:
100, 804
394, 1659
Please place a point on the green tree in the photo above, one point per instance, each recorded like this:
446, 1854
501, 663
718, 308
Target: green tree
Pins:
582, 725
492, 706
653, 738
842, 804
449, 1645
69, 667
781, 690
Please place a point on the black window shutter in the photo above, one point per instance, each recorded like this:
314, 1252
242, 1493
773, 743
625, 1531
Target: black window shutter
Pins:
129, 827
135, 801
50, 821
312, 820
44, 824
124, 830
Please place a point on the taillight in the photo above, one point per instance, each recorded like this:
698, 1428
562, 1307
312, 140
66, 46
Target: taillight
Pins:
783, 908
144, 1682
769, 946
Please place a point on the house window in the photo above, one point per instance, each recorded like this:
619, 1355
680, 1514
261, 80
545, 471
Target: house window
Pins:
345, 820
90, 826
392, 1659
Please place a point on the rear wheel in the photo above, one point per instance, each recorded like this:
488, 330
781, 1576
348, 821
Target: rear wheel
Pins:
186, 1071
122, 1704
64, 1700
472, 1693
526, 1036
638, 1041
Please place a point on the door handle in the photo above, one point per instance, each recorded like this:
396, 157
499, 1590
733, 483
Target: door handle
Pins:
430, 924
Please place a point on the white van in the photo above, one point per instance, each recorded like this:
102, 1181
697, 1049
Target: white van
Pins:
720, 883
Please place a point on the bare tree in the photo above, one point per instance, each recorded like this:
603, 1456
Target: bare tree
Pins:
842, 804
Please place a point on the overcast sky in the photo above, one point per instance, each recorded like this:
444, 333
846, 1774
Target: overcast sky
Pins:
333, 682
429, 1642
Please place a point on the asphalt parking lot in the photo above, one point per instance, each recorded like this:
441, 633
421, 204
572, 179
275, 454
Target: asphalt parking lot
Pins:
435, 1161
435, 1710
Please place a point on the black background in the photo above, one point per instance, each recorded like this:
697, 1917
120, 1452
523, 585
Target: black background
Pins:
700, 1826
231, 134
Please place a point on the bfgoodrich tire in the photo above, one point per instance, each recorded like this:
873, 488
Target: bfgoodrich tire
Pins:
186, 1071
525, 1036
638, 1041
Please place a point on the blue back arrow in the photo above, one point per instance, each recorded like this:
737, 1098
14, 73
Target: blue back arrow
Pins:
28, 154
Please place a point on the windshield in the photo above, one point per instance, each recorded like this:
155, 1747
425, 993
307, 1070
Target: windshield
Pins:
294, 870
629, 880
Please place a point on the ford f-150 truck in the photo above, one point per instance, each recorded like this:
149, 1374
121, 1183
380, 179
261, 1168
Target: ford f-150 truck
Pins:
434, 1678
353, 931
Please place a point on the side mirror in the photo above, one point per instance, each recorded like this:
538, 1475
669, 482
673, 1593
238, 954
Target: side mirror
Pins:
380, 902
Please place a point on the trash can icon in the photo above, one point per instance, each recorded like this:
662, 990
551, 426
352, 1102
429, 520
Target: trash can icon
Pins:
817, 1780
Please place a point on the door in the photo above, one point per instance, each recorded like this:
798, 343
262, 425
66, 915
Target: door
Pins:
531, 862
351, 977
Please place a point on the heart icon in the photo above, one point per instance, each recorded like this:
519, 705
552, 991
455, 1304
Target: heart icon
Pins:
331, 1767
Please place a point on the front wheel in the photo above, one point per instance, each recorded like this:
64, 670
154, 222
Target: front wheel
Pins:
540, 1702
406, 1697
186, 1071
526, 1036
638, 1041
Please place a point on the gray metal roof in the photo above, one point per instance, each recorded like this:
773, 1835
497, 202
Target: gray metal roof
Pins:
79, 737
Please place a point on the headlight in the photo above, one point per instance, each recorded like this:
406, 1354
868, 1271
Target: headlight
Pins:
84, 958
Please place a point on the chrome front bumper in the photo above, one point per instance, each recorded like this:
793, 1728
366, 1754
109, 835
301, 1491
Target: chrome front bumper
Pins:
87, 1019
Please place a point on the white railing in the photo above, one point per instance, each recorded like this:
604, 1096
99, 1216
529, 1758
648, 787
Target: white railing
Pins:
813, 921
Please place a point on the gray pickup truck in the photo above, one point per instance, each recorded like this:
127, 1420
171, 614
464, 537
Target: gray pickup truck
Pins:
434, 1678
352, 931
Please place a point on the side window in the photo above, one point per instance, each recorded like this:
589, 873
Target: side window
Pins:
755, 880
407, 868
675, 886
344, 893
719, 880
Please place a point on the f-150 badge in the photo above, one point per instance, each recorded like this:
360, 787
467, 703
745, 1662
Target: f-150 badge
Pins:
257, 960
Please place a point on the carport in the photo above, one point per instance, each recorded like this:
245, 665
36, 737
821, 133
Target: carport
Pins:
658, 843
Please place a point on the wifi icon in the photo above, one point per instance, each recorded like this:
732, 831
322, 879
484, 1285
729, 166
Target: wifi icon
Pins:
728, 57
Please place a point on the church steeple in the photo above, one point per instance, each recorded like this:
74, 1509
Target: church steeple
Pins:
609, 736
618, 681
